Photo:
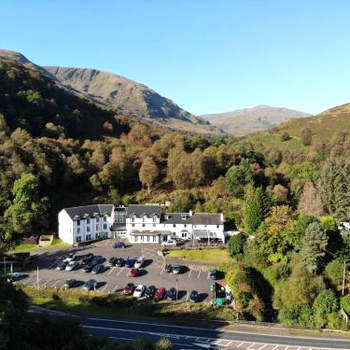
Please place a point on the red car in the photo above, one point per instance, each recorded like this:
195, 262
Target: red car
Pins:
129, 289
133, 273
160, 294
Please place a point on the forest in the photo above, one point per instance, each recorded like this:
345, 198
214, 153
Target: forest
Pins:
58, 150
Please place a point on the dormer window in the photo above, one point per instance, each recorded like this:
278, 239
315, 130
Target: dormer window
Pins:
133, 218
155, 218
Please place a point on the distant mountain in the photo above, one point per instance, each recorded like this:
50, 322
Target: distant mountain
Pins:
249, 120
119, 94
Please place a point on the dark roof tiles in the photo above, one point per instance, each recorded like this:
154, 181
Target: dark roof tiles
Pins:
140, 210
89, 211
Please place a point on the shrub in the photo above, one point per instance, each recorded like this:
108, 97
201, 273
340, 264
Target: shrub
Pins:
236, 244
334, 271
285, 137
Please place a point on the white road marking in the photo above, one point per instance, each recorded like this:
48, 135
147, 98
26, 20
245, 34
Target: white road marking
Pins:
111, 270
199, 274
104, 287
120, 271
264, 346
115, 288
54, 285
189, 274
251, 346
162, 270
240, 344
188, 296
276, 347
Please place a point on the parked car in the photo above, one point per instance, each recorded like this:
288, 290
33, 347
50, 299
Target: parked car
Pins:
150, 291
71, 257
169, 243
62, 265
129, 289
98, 269
129, 262
119, 245
160, 294
168, 268
98, 259
194, 296
139, 262
171, 294
15, 276
73, 265
213, 275
89, 285
70, 283
88, 267
133, 273
119, 262
111, 261
138, 292
177, 269
87, 258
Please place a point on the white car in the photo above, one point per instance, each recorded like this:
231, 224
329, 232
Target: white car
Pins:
139, 262
72, 266
138, 292
169, 243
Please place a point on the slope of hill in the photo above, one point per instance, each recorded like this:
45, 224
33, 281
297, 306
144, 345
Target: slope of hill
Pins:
249, 120
129, 97
323, 126
119, 94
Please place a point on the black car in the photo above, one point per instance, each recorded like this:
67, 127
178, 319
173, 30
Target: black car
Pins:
97, 259
119, 262
150, 291
177, 269
89, 285
88, 267
111, 261
61, 265
213, 275
194, 296
98, 269
15, 276
171, 294
70, 283
87, 258
168, 268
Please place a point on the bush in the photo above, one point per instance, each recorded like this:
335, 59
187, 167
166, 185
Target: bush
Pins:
237, 244
334, 272
325, 303
285, 137
345, 303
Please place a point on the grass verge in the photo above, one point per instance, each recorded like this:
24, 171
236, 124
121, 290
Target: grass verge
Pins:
216, 255
57, 243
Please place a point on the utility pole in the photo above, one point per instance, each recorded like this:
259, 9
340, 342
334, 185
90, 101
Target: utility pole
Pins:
4, 265
37, 277
177, 290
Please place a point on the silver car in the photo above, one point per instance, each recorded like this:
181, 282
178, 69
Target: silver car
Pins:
139, 262
72, 266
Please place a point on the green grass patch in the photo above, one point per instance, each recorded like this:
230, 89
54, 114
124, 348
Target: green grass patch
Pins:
57, 243
216, 255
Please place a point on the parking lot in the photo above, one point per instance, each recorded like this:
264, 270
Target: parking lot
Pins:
114, 279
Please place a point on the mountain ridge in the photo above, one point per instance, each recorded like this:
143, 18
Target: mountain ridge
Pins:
245, 121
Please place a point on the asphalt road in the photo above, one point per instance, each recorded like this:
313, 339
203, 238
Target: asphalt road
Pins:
184, 337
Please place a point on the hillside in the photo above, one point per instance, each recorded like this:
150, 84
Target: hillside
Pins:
250, 120
323, 127
129, 97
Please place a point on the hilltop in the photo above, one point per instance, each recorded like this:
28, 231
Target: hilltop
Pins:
250, 120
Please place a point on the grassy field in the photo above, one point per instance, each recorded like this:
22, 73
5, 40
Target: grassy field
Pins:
99, 304
57, 243
216, 256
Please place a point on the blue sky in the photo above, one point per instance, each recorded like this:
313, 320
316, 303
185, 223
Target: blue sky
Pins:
206, 55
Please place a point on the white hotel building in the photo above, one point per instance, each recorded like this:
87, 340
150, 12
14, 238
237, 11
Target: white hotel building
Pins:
138, 223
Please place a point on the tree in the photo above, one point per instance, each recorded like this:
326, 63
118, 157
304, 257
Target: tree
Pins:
236, 245
313, 248
254, 210
334, 271
28, 212
306, 136
325, 303
345, 303
310, 201
148, 172
238, 176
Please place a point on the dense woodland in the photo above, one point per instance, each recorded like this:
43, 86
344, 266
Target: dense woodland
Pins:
58, 150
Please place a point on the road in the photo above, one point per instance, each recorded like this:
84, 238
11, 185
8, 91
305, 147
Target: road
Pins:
184, 337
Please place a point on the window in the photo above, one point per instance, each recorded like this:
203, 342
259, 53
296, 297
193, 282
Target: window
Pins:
141, 238
88, 229
88, 221
133, 219
133, 225
78, 223
154, 225
136, 238
185, 225
143, 225
97, 227
154, 238
217, 226
148, 237
88, 237
184, 235
97, 219
205, 225
78, 239
78, 230
105, 218
155, 218
104, 226
174, 225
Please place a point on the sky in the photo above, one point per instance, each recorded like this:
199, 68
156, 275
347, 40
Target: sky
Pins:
208, 56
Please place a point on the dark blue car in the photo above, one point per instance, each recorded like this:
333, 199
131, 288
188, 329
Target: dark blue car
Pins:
129, 262
98, 259
119, 245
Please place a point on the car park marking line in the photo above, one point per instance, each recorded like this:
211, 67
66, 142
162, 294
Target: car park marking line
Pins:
115, 288
162, 270
199, 275
187, 296
111, 270
189, 274
54, 285
103, 288
120, 271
